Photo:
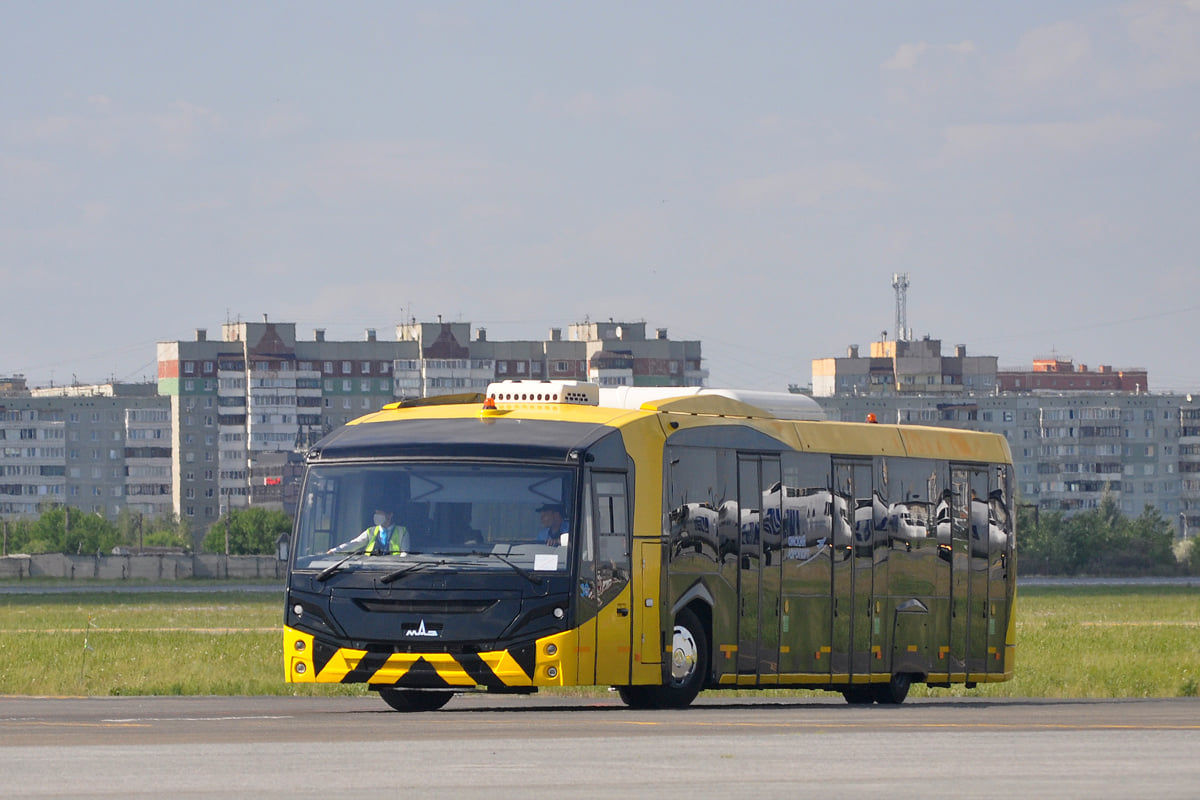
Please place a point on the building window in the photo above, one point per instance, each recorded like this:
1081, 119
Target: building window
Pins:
347, 367
366, 367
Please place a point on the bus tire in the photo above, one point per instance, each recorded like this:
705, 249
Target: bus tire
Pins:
412, 700
689, 669
858, 695
894, 691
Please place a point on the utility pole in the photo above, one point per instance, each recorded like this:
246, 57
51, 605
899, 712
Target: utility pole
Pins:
227, 515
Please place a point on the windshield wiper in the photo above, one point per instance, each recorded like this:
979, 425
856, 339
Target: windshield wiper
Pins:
405, 570
524, 573
326, 573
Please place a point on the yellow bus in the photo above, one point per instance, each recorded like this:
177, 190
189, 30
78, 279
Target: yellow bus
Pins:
659, 541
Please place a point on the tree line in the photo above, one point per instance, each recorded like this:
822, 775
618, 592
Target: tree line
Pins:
1101, 542
1098, 542
62, 529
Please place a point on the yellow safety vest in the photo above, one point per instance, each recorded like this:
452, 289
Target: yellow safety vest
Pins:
392, 538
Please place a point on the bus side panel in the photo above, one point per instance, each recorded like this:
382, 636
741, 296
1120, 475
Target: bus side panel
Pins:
613, 648
647, 638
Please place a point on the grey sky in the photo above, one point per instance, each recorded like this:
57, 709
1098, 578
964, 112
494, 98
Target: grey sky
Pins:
747, 174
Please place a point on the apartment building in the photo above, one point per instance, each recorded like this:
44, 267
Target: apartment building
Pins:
246, 407
903, 367
1073, 440
100, 448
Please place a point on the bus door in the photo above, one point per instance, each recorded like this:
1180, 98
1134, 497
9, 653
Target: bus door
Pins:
758, 566
853, 568
605, 571
968, 570
1000, 553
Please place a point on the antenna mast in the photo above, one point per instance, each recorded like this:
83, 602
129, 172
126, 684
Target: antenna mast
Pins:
900, 284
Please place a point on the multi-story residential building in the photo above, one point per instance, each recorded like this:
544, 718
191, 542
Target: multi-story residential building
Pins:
1061, 375
245, 408
1072, 444
903, 367
1068, 450
101, 449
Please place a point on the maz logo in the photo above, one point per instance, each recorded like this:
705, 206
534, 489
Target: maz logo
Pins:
421, 630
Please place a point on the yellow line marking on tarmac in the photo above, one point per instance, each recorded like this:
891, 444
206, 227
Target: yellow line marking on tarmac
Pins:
926, 725
47, 724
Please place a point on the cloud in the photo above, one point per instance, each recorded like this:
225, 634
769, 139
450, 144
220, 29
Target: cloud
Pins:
988, 140
1166, 38
103, 127
178, 129
1052, 53
346, 168
643, 105
906, 56
806, 187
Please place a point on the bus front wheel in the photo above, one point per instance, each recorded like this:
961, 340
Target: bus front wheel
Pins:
894, 691
411, 700
689, 668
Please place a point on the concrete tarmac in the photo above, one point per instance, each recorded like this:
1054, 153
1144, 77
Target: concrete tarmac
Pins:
500, 747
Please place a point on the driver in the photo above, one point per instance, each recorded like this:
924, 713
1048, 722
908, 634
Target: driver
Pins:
384, 536
553, 524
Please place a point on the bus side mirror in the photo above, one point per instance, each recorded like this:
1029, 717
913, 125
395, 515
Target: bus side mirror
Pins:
281, 546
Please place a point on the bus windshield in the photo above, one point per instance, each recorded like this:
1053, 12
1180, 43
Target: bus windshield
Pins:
520, 512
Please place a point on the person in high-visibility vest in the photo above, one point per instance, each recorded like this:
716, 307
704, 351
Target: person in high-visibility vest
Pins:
553, 524
383, 536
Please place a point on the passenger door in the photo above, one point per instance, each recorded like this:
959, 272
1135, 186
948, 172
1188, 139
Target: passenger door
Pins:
606, 522
758, 566
968, 570
853, 568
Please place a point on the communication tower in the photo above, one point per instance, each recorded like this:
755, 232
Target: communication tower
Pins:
900, 284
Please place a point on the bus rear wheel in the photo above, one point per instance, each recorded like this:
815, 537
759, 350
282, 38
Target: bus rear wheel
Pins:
412, 700
689, 669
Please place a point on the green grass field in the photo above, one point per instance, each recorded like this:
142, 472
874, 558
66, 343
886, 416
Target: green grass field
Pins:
1071, 642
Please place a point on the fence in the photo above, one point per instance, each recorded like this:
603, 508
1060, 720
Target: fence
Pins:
157, 567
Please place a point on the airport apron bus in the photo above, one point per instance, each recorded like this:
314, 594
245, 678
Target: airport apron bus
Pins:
710, 539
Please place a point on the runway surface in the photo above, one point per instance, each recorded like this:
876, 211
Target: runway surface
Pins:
500, 747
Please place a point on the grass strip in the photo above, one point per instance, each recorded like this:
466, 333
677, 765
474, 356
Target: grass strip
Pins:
1072, 642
